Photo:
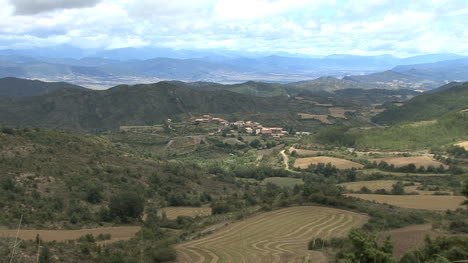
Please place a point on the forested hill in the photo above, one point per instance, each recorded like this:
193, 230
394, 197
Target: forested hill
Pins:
15, 87
427, 106
94, 111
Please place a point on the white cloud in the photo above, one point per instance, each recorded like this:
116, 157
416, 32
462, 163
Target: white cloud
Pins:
28, 7
312, 26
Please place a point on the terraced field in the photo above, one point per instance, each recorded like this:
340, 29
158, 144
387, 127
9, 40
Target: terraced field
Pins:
339, 163
277, 236
174, 211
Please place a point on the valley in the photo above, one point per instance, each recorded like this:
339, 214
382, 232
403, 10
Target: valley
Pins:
189, 175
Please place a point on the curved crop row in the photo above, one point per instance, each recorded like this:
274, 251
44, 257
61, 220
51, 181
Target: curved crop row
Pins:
277, 236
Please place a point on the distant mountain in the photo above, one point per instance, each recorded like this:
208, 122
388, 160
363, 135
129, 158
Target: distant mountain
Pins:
450, 70
14, 87
427, 106
392, 78
112, 67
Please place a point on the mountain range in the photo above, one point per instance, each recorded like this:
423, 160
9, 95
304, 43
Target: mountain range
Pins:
100, 69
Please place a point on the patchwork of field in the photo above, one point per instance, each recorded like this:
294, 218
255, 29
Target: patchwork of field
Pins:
117, 233
174, 211
425, 161
407, 238
277, 236
463, 144
339, 163
387, 185
426, 202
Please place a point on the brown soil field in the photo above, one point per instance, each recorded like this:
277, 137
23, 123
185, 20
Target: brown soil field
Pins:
426, 202
339, 163
463, 144
425, 161
408, 238
117, 233
277, 236
322, 118
174, 212
387, 185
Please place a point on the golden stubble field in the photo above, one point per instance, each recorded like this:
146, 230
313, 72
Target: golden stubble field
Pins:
173, 212
338, 162
463, 144
277, 236
426, 202
117, 233
425, 161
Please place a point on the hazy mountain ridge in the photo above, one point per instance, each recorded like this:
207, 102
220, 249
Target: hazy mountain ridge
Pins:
147, 65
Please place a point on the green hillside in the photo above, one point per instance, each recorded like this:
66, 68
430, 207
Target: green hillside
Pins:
130, 105
15, 87
57, 179
427, 106
419, 135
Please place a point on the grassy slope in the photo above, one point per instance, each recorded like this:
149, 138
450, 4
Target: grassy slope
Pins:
448, 129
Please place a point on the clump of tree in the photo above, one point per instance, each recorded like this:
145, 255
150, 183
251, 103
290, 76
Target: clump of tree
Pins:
126, 206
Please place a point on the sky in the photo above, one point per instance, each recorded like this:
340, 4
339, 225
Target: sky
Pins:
312, 27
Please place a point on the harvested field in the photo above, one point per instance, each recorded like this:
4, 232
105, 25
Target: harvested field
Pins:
277, 236
463, 144
284, 181
173, 212
117, 233
425, 161
339, 163
426, 202
339, 112
372, 185
322, 118
408, 238
387, 185
302, 151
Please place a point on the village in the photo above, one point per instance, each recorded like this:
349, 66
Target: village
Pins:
246, 127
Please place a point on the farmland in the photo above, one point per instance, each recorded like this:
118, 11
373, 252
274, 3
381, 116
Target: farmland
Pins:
426, 202
407, 238
425, 161
339, 163
284, 181
371, 185
387, 185
117, 233
277, 236
174, 212
463, 144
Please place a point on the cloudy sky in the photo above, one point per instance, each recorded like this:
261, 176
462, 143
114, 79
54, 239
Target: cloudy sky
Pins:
315, 27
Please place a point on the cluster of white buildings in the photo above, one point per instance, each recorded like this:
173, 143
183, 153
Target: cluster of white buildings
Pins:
248, 127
